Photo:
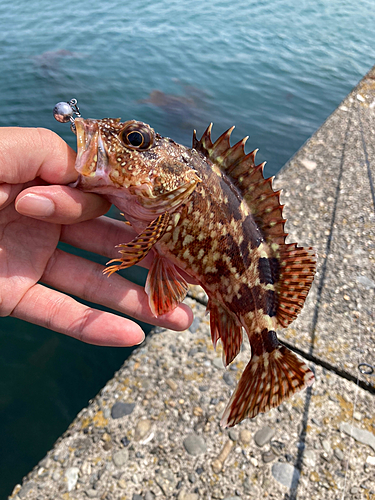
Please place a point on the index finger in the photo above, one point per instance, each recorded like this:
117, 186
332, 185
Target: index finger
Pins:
27, 153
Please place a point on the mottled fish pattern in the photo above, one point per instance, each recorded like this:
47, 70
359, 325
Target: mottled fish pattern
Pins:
209, 211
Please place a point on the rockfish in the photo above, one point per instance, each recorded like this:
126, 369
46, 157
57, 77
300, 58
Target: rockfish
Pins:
209, 211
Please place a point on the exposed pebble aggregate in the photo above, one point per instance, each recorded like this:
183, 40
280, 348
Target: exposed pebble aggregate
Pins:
153, 431
171, 444
331, 207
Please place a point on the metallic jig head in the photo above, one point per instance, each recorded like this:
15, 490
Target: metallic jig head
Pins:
64, 111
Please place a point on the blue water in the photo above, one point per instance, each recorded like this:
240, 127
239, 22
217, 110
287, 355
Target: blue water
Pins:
274, 69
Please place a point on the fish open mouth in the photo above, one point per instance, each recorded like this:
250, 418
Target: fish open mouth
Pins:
92, 159
87, 146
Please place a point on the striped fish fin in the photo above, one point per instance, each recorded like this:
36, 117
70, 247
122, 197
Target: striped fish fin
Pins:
257, 191
293, 267
297, 266
165, 286
137, 249
266, 382
225, 326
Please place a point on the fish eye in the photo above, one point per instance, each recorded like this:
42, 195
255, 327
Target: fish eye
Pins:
137, 136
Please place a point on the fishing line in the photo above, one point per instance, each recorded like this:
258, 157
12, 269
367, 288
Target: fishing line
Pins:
351, 424
366, 158
362, 367
322, 281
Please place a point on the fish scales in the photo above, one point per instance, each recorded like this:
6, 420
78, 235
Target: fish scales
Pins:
221, 244
209, 211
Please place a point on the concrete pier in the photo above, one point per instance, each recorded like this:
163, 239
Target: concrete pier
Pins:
153, 430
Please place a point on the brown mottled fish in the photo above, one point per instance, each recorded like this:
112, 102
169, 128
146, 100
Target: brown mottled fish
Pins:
209, 211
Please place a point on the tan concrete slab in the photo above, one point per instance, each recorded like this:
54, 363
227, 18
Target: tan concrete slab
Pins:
330, 205
153, 431
171, 445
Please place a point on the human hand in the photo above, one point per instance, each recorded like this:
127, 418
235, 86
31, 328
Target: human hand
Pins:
36, 212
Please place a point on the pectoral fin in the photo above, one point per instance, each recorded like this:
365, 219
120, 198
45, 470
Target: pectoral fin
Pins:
137, 249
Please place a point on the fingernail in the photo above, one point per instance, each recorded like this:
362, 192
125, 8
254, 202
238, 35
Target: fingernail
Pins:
138, 343
35, 205
4, 193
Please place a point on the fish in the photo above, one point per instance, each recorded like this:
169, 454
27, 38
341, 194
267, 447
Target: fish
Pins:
180, 110
49, 62
169, 102
209, 211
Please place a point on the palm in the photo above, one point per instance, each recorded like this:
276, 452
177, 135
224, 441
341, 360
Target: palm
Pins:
26, 246
35, 164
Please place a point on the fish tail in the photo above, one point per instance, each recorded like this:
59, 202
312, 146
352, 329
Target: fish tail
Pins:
270, 377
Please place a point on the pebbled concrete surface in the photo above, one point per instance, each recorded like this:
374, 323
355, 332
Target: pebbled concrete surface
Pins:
153, 430
331, 205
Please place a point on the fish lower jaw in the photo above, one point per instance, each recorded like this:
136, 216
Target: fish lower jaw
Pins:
93, 183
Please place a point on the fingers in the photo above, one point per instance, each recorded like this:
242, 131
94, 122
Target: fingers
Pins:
27, 153
60, 204
85, 279
8, 192
58, 312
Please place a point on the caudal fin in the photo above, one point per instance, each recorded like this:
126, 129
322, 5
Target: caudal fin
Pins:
267, 380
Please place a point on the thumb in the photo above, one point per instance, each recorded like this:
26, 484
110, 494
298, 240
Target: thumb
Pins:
27, 153
60, 204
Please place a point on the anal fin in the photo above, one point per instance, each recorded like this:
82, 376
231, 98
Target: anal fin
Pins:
268, 379
165, 287
137, 249
226, 327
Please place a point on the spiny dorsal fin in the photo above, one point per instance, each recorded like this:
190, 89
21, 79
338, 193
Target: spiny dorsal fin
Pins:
257, 191
296, 265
